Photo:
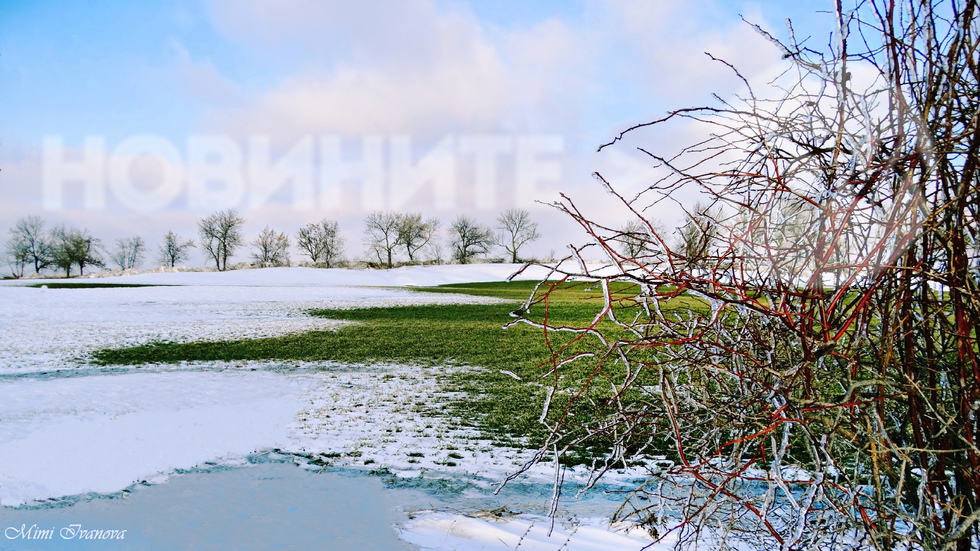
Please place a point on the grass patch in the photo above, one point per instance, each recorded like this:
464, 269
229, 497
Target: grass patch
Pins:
87, 285
505, 407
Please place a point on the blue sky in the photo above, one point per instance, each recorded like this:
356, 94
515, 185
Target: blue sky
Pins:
285, 70
114, 67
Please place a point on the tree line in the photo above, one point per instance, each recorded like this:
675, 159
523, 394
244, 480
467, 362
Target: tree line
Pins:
387, 238
65, 248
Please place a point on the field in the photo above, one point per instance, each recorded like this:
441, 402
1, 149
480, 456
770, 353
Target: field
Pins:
138, 380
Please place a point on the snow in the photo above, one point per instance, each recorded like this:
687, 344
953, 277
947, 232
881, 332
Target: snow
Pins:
50, 329
100, 434
439, 530
68, 428
310, 277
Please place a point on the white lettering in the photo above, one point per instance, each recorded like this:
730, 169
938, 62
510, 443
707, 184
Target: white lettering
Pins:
437, 167
369, 171
56, 171
120, 177
485, 150
530, 171
75, 531
266, 179
214, 173
214, 165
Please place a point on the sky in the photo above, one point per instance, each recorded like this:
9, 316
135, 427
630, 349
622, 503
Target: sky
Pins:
136, 118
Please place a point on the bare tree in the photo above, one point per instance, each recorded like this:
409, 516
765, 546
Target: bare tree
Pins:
414, 233
695, 237
638, 239
434, 251
129, 252
221, 236
28, 241
381, 235
61, 255
271, 248
468, 239
321, 242
813, 384
174, 250
516, 230
16, 256
70, 246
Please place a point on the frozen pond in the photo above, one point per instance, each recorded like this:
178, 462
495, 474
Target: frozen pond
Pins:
273, 503
267, 506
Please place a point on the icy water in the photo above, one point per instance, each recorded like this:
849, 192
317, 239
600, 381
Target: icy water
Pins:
271, 505
266, 506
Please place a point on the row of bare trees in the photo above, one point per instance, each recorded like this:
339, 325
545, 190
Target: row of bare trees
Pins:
220, 237
808, 360
64, 248
386, 234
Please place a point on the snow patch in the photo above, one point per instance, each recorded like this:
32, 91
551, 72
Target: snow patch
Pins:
305, 277
61, 437
441, 530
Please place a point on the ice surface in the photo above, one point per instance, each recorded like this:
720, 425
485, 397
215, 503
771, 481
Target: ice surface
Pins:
100, 434
264, 506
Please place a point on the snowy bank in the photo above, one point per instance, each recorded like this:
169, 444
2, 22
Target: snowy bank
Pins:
100, 434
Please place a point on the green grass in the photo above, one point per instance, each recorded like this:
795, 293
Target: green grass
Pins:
87, 285
428, 335
565, 294
437, 335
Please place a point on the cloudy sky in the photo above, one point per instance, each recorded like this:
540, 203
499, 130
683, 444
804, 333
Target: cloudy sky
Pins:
135, 118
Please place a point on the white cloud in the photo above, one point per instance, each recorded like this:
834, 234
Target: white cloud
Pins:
408, 67
429, 69
202, 80
667, 42
357, 101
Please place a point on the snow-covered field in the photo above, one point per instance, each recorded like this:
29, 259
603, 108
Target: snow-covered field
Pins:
67, 428
49, 329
